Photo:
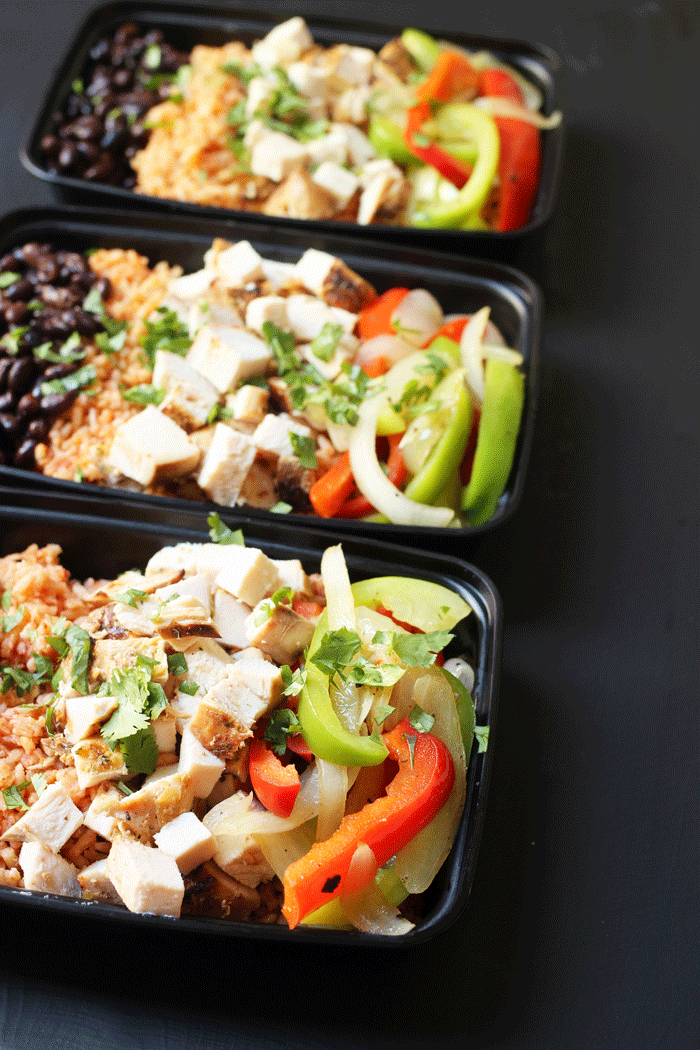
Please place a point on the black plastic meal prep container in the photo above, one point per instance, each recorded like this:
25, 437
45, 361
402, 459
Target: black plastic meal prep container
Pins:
459, 284
94, 546
185, 25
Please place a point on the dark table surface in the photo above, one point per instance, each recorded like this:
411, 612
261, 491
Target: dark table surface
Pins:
582, 929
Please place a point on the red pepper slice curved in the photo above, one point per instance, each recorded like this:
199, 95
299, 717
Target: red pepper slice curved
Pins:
375, 319
519, 158
358, 506
275, 784
448, 166
417, 792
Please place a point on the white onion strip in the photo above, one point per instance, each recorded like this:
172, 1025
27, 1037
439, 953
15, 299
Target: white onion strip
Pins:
471, 351
504, 107
367, 909
340, 604
332, 792
373, 482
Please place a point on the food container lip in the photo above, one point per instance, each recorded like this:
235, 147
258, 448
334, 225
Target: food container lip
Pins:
33, 510
539, 61
509, 287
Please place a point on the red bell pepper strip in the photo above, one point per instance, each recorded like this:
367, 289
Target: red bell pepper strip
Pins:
417, 792
448, 166
378, 366
452, 329
452, 75
275, 784
519, 158
330, 491
376, 318
358, 506
307, 607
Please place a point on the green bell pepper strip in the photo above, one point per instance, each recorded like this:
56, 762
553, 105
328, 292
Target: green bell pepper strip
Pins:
447, 454
426, 605
465, 711
423, 49
504, 396
415, 367
484, 133
387, 139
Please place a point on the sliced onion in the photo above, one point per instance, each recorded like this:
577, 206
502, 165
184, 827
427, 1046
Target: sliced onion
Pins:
418, 863
462, 671
364, 903
227, 819
340, 604
332, 792
504, 107
472, 352
417, 317
285, 848
373, 482
392, 347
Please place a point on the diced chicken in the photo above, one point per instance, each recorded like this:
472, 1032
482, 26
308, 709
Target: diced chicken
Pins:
249, 575
238, 855
308, 314
384, 186
51, 820
249, 403
218, 895
255, 131
299, 197
160, 772
230, 616
360, 149
331, 280
95, 762
147, 879
138, 582
85, 713
226, 464
184, 706
96, 883
203, 439
352, 105
275, 155
337, 181
278, 273
47, 872
191, 286
217, 727
186, 840
225, 355
181, 618
260, 93
206, 663
283, 44
330, 369
283, 635
189, 396
196, 586
260, 677
272, 435
259, 489
398, 59
266, 308
238, 263
110, 654
313, 268
164, 730
149, 446
294, 483
145, 811
332, 146
202, 766
291, 574
310, 81
100, 814
355, 65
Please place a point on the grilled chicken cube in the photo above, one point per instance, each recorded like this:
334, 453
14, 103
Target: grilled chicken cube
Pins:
189, 396
310, 81
272, 435
360, 149
202, 766
355, 65
150, 446
226, 355
283, 44
337, 181
100, 814
332, 146
226, 464
352, 105
187, 840
111, 654
275, 155
260, 676
283, 635
96, 883
84, 714
147, 879
249, 403
165, 732
238, 855
47, 872
95, 762
291, 574
51, 820
196, 586
230, 616
260, 92
145, 811
308, 314
236, 264
259, 489
300, 197
266, 308
191, 286
248, 576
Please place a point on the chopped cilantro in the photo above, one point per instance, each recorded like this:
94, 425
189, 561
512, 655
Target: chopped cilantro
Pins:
282, 508
188, 687
130, 597
151, 58
12, 796
58, 643
44, 668
336, 651
17, 679
49, 720
421, 720
326, 342
12, 621
125, 790
79, 475
75, 381
411, 741
244, 73
382, 713
293, 680
38, 782
6, 600
281, 724
221, 533
10, 340
72, 350
140, 751
482, 737
282, 345
167, 333
7, 278
80, 644
304, 449
157, 617
218, 412
78, 86
177, 664
419, 650
143, 394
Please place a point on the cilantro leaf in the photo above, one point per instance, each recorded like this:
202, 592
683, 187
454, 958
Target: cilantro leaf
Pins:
12, 796
49, 720
382, 713
6, 600
281, 508
419, 650
188, 687
17, 679
221, 533
80, 644
157, 700
177, 664
167, 333
421, 720
293, 680
142, 394
44, 668
12, 621
482, 737
326, 342
130, 597
140, 751
304, 449
75, 381
282, 723
38, 782
336, 651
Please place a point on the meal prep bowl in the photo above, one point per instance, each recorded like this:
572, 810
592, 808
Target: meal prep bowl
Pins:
459, 284
185, 25
98, 546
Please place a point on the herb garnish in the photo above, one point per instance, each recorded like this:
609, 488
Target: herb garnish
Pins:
221, 533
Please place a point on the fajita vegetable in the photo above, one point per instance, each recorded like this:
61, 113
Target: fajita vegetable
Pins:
200, 746
283, 386
421, 133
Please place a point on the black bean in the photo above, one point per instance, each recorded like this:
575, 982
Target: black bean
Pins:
107, 103
22, 289
10, 426
71, 262
58, 371
46, 269
5, 366
8, 402
53, 404
89, 127
62, 298
153, 36
50, 145
21, 376
126, 32
81, 283
115, 139
87, 323
88, 151
104, 287
102, 169
100, 50
28, 406
99, 82
8, 262
122, 79
24, 456
39, 429
16, 313
116, 120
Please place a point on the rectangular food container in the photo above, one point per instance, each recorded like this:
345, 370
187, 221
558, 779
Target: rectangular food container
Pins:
459, 284
103, 547
186, 25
